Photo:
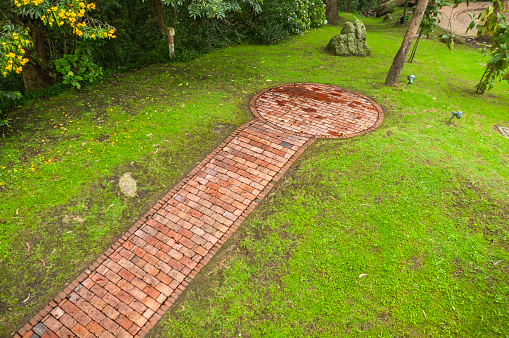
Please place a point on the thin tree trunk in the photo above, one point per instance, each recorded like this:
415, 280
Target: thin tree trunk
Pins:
331, 12
348, 6
399, 59
414, 50
404, 11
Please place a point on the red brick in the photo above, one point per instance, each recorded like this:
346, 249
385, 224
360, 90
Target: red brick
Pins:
123, 321
82, 318
124, 309
109, 324
106, 334
57, 312
111, 312
138, 294
69, 308
99, 279
95, 328
64, 332
122, 333
150, 291
151, 304
137, 306
80, 331
99, 291
112, 288
124, 296
96, 315
49, 334
112, 276
138, 319
140, 284
98, 303
139, 251
68, 321
111, 300
51, 323
133, 329
125, 285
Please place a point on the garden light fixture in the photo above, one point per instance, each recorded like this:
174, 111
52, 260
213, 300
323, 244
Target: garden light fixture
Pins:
411, 79
457, 114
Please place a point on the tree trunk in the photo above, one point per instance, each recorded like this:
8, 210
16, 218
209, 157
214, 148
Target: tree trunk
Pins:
161, 16
399, 59
34, 77
331, 12
348, 6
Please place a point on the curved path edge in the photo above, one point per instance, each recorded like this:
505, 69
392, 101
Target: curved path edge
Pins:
127, 290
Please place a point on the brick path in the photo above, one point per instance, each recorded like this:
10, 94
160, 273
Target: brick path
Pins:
130, 287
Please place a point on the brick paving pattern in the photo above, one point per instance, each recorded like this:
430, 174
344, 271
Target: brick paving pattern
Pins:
130, 287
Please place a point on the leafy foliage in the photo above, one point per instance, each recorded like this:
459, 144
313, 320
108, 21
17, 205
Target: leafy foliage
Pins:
14, 41
492, 23
63, 16
78, 67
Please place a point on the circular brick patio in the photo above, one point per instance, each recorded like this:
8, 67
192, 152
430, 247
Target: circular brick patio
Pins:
317, 110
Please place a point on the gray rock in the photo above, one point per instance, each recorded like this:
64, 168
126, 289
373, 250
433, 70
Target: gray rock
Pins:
388, 7
127, 185
351, 41
388, 17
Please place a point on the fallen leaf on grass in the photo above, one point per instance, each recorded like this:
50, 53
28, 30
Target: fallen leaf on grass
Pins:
362, 275
26, 300
28, 247
110, 206
424, 314
43, 264
497, 262
366, 205
2, 221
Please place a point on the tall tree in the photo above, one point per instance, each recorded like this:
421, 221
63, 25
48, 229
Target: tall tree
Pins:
331, 12
399, 59
23, 27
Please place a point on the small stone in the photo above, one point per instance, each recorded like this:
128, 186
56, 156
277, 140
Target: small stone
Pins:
127, 184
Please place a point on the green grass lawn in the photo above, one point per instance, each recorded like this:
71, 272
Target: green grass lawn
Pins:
419, 208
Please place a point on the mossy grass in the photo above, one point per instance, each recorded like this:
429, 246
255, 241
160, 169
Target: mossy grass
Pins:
418, 206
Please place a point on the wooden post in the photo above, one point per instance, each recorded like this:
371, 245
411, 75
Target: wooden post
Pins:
170, 31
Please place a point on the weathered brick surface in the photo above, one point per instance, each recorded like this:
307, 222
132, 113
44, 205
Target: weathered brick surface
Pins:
317, 110
127, 290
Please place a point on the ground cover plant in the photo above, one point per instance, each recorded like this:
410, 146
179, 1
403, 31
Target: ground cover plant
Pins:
402, 232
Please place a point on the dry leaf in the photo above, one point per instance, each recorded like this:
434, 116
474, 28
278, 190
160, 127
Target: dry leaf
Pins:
26, 300
43, 264
362, 275
28, 247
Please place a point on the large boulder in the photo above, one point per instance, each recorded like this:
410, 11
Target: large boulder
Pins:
388, 7
351, 41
